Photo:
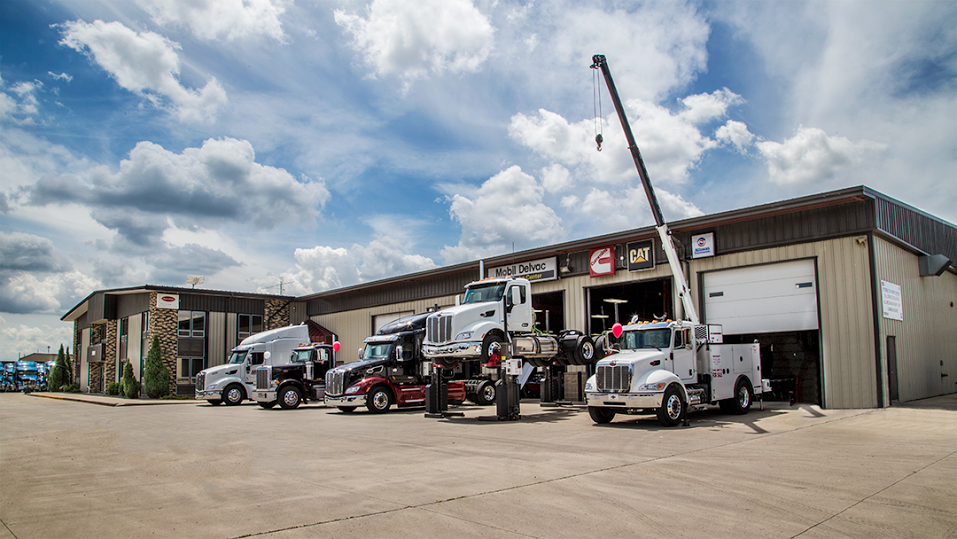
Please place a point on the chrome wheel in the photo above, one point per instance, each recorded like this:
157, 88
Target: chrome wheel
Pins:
673, 407
233, 395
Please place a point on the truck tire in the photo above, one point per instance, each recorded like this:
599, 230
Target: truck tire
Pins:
347, 409
584, 350
487, 343
600, 414
672, 406
289, 398
484, 393
743, 397
267, 405
214, 402
233, 394
379, 400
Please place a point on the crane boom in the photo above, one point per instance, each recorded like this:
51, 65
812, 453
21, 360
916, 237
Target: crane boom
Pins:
599, 62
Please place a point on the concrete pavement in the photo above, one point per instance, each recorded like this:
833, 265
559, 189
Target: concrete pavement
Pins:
68, 469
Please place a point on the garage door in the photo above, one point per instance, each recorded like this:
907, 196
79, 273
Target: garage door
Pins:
382, 319
763, 299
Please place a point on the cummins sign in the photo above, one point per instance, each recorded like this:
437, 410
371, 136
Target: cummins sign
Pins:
543, 269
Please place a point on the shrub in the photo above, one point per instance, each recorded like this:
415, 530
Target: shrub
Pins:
156, 377
59, 376
114, 388
71, 388
131, 387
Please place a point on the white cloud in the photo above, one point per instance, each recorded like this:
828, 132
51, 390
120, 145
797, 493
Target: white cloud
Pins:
145, 63
221, 19
414, 39
625, 208
811, 156
20, 103
34, 277
17, 340
736, 134
556, 178
507, 208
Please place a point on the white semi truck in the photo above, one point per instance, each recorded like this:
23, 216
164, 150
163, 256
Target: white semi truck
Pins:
235, 381
666, 367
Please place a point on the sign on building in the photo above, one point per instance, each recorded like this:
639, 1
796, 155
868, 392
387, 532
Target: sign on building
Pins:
702, 245
543, 269
892, 301
641, 255
167, 301
601, 261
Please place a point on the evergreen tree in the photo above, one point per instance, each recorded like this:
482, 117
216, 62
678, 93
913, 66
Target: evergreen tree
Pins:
156, 375
59, 376
131, 387
69, 367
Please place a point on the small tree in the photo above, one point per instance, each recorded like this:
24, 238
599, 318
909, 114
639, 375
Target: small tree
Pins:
131, 387
59, 376
69, 367
156, 375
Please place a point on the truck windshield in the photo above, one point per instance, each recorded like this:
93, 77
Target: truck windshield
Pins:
652, 338
483, 293
238, 356
301, 356
377, 350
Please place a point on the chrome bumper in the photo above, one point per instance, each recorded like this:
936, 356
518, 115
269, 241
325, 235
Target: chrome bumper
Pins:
346, 400
262, 395
624, 400
204, 394
461, 350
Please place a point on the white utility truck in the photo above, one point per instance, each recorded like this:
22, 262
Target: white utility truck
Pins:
665, 367
235, 381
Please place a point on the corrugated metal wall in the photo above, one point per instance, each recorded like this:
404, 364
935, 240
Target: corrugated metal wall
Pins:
232, 330
216, 340
926, 340
848, 355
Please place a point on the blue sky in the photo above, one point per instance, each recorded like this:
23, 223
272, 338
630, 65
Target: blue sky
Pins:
328, 143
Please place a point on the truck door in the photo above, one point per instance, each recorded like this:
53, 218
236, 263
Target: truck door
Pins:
519, 312
402, 367
322, 362
683, 354
254, 359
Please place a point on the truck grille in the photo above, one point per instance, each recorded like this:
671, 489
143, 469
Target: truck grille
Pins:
439, 329
334, 381
201, 381
262, 377
615, 378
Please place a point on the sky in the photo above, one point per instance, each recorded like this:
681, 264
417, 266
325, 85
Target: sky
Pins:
321, 144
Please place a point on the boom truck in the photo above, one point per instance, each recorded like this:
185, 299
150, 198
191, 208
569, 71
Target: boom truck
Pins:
235, 381
665, 367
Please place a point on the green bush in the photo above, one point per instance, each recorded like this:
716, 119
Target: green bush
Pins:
131, 387
70, 388
59, 376
156, 375
114, 388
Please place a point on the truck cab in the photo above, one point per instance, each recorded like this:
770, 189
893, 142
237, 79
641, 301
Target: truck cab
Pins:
390, 371
300, 380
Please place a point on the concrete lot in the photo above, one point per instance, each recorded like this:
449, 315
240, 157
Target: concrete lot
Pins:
72, 469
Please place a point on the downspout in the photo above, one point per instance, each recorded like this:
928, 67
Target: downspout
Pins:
875, 303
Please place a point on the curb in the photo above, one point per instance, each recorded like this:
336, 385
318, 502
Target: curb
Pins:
112, 404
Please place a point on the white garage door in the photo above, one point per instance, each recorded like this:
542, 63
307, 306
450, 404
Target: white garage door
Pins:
763, 299
382, 319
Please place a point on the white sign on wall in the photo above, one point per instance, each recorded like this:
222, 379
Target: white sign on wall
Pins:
167, 301
892, 301
702, 245
543, 269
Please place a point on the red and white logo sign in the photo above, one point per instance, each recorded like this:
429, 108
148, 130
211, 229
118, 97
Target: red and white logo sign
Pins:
601, 261
167, 301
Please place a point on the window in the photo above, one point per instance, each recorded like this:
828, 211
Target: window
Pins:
192, 324
250, 324
188, 368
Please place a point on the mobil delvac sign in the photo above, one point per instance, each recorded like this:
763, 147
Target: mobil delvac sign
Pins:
543, 269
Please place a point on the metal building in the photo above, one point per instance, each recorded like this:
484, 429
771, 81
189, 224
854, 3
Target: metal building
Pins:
850, 293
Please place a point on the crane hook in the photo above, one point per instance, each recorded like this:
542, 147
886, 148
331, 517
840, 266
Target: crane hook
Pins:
599, 139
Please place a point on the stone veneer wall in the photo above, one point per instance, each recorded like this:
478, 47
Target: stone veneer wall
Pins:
276, 314
95, 374
77, 354
164, 325
109, 351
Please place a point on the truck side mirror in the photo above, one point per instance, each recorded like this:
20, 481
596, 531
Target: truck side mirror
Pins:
360, 353
516, 295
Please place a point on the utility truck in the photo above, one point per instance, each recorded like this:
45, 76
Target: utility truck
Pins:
668, 366
392, 371
235, 381
302, 379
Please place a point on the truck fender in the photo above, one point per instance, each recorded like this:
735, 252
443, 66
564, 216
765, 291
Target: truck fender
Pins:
661, 376
366, 384
482, 328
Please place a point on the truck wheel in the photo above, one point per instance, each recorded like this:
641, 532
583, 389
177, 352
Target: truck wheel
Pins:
584, 350
347, 409
484, 393
743, 396
267, 405
214, 402
379, 400
233, 395
487, 343
669, 414
289, 398
600, 414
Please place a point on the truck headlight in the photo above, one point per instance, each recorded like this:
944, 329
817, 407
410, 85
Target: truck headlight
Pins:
275, 383
464, 335
652, 387
588, 387
351, 390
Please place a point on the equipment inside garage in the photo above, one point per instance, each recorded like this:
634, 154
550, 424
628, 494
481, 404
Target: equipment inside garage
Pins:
776, 305
646, 299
